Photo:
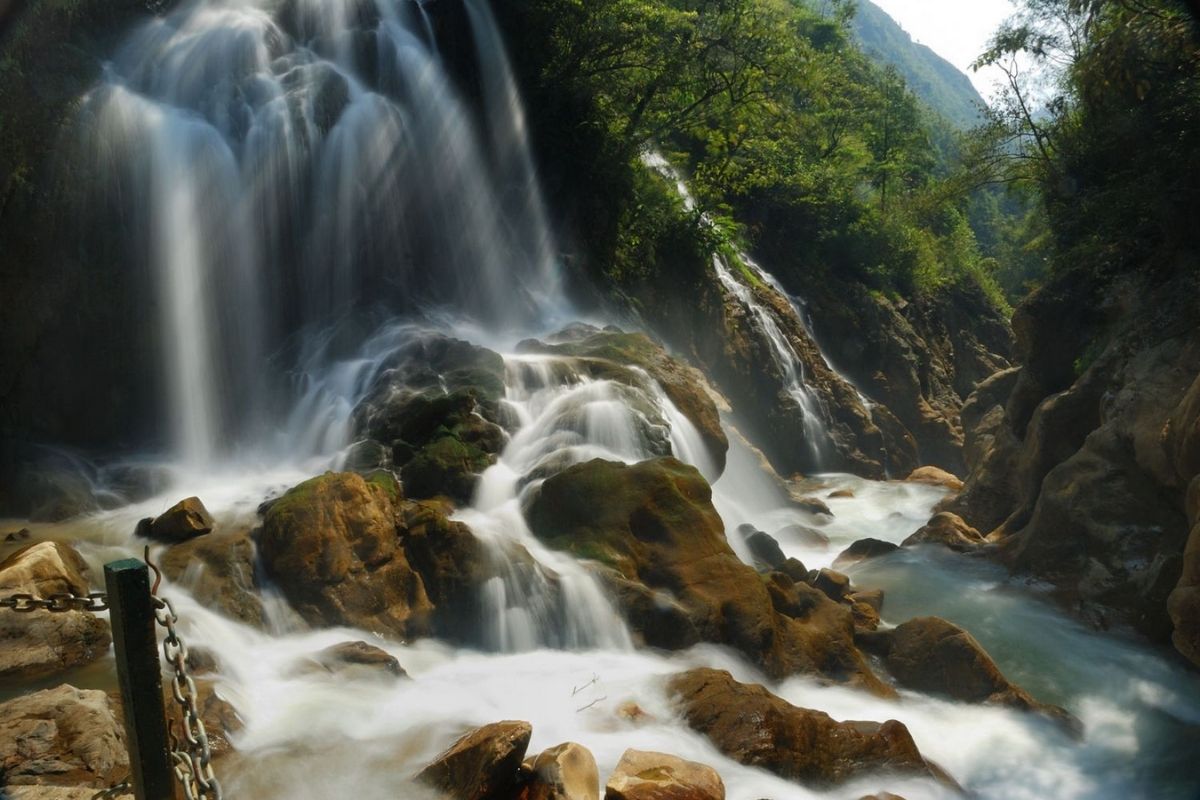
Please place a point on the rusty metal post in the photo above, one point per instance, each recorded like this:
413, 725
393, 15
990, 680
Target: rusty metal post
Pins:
139, 673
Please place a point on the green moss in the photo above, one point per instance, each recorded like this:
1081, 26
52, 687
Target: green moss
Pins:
386, 481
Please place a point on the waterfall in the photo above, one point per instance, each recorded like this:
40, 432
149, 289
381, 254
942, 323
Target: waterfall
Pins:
813, 414
292, 163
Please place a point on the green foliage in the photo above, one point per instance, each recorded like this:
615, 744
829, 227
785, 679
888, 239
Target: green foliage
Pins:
832, 167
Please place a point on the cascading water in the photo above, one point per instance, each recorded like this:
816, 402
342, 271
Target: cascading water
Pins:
248, 137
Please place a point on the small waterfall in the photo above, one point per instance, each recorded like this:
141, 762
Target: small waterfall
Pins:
289, 163
813, 414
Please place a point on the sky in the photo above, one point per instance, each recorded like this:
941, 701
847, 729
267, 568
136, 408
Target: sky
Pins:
957, 30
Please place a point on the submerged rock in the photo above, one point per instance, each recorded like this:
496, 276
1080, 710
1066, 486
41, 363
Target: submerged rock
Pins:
753, 727
934, 656
185, 520
655, 525
863, 550
764, 548
950, 530
483, 765
642, 775
355, 659
61, 737
41, 643
803, 535
220, 570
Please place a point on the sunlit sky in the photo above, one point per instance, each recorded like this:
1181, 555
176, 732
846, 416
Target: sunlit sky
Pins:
957, 30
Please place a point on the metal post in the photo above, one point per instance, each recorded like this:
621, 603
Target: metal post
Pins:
139, 673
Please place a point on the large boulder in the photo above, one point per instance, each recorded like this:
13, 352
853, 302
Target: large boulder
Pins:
484, 764
935, 476
220, 570
436, 406
61, 737
565, 772
185, 520
642, 775
753, 727
655, 525
42, 643
332, 546
934, 656
611, 353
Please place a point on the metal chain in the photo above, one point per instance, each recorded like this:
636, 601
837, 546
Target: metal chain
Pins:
193, 764
58, 602
122, 788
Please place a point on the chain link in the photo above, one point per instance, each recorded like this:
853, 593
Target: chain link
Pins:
117, 790
58, 602
193, 764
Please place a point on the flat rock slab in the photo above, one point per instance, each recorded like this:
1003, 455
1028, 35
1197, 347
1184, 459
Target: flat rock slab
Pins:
61, 737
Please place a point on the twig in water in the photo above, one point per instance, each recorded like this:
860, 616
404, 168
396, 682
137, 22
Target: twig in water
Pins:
589, 705
595, 679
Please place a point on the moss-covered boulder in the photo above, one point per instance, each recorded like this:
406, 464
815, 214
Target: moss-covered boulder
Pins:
436, 406
754, 727
655, 525
611, 353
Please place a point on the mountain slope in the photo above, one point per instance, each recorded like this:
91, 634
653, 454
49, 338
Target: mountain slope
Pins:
932, 78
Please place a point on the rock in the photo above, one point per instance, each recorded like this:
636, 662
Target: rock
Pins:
56, 492
935, 476
185, 520
812, 505
765, 549
795, 569
753, 727
40, 644
642, 775
632, 712
803, 536
52, 793
1184, 603
332, 546
220, 570
367, 456
834, 584
866, 616
355, 660
872, 598
22, 535
862, 550
655, 525
685, 386
482, 765
565, 772
654, 616
841, 494
436, 405
220, 718
948, 529
882, 796
61, 737
934, 656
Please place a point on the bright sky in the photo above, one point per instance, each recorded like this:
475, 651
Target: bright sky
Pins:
957, 30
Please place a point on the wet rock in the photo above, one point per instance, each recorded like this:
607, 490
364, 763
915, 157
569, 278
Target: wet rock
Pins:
950, 530
220, 571
21, 535
863, 550
654, 523
687, 387
866, 616
813, 505
655, 616
834, 584
934, 656
764, 548
753, 727
565, 772
220, 718
436, 405
1184, 603
41, 643
935, 476
54, 493
332, 546
50, 793
61, 737
482, 765
841, 494
882, 796
355, 660
794, 568
872, 598
185, 520
804, 536
643, 775
367, 456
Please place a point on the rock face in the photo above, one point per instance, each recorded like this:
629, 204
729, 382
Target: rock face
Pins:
654, 524
934, 656
949, 530
642, 775
220, 571
482, 765
565, 772
753, 727
1081, 460
185, 520
349, 550
61, 737
611, 353
39, 644
435, 408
